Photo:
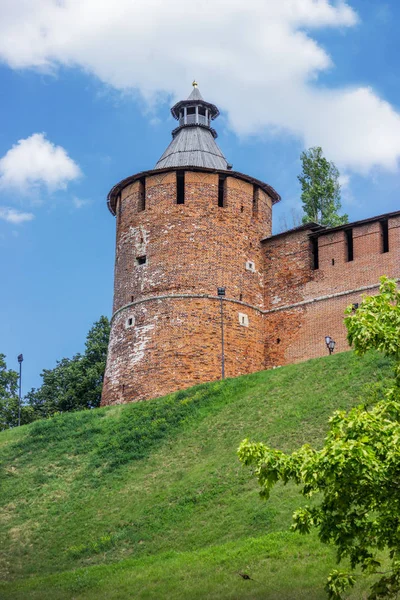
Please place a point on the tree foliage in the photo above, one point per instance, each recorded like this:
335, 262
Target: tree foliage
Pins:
320, 189
8, 395
356, 474
376, 323
74, 383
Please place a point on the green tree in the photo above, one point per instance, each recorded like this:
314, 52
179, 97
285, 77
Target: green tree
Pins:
320, 189
9, 398
357, 472
8, 395
75, 383
376, 323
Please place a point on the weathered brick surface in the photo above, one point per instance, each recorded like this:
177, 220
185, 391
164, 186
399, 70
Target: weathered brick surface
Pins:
289, 279
176, 343
166, 328
190, 249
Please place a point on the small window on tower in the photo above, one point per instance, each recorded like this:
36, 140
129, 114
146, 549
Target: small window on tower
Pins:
349, 243
142, 194
202, 111
385, 235
315, 254
255, 199
221, 190
140, 260
250, 266
180, 187
191, 110
130, 322
243, 320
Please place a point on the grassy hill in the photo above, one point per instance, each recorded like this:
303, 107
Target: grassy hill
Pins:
149, 500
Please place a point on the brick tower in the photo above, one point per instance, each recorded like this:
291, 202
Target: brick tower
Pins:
184, 229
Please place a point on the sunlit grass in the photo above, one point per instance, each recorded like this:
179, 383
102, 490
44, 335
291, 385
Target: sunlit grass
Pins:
153, 493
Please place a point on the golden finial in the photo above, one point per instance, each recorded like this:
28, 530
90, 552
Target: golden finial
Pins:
194, 84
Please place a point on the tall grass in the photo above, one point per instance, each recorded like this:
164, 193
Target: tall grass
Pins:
157, 483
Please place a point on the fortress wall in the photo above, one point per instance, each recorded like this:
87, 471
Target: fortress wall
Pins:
175, 343
326, 291
190, 249
279, 304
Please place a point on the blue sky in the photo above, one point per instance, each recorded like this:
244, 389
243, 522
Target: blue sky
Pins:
86, 103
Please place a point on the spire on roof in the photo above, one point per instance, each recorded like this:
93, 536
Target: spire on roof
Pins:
195, 93
193, 142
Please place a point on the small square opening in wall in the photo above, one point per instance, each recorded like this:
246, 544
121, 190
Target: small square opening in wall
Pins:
243, 320
141, 260
130, 321
250, 266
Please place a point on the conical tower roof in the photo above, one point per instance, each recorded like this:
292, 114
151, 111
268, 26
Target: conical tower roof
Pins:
195, 95
193, 141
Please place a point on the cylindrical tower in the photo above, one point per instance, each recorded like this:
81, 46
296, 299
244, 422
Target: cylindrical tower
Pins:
184, 229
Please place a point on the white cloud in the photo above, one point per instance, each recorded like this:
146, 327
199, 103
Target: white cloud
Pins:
256, 59
14, 216
80, 202
35, 161
344, 181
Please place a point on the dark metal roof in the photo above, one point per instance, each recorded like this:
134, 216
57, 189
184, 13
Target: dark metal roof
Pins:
113, 194
311, 225
193, 143
327, 230
193, 146
195, 95
317, 230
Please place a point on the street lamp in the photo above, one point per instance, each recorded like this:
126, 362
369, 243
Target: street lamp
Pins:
330, 343
20, 359
221, 294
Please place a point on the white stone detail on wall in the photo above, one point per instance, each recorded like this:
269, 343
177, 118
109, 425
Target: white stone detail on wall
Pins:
243, 320
130, 321
250, 266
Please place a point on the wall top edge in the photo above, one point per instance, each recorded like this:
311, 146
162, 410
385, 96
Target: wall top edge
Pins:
113, 194
316, 230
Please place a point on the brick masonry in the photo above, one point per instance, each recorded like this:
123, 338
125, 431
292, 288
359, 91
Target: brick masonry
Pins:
191, 249
166, 327
297, 333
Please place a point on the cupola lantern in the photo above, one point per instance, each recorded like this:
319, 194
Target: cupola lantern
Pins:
193, 141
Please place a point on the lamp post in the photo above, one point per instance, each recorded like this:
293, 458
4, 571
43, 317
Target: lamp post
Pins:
20, 359
221, 294
330, 344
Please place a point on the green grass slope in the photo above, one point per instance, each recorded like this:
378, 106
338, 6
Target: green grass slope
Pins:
149, 500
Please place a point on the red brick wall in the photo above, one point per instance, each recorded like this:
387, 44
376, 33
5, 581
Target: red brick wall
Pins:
193, 248
289, 280
190, 249
176, 343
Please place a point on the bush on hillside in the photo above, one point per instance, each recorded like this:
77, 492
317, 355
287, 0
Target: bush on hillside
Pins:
357, 471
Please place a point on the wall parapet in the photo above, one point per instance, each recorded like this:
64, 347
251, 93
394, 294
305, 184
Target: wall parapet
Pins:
358, 290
